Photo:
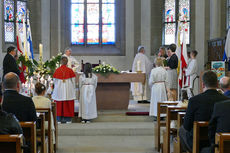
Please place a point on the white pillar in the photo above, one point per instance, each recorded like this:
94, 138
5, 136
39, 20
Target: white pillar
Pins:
215, 19
1, 37
59, 25
45, 28
146, 25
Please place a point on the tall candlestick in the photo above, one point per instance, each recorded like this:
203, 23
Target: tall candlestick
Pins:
40, 50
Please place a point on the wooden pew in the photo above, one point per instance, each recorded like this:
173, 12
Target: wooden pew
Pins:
161, 109
47, 112
177, 143
200, 134
54, 111
171, 115
223, 142
41, 138
11, 143
29, 132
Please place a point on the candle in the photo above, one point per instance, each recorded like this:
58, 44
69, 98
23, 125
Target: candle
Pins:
31, 79
40, 49
138, 65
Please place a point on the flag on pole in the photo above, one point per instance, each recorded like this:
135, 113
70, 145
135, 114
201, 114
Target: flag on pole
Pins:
227, 50
178, 46
19, 40
29, 40
25, 38
183, 59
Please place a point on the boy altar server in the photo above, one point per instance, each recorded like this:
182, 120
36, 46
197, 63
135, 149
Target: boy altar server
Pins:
64, 91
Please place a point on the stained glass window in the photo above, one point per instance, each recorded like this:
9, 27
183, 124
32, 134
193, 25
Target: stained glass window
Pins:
14, 11
176, 10
93, 22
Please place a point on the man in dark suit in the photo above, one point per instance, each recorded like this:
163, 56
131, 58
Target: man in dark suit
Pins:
225, 85
9, 62
13, 102
200, 108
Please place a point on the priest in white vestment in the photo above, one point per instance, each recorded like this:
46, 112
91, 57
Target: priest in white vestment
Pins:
64, 92
142, 64
72, 62
191, 73
87, 102
158, 83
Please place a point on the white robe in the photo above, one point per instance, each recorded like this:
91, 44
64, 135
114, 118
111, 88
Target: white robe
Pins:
158, 83
87, 102
139, 91
73, 63
64, 91
191, 72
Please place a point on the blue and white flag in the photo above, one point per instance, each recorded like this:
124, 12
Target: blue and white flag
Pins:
227, 50
29, 41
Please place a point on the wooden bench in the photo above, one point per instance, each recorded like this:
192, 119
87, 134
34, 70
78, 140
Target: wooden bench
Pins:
48, 113
223, 142
41, 138
29, 133
54, 111
171, 115
161, 109
177, 143
11, 143
200, 134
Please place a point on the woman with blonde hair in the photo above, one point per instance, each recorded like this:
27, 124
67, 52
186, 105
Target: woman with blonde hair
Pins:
158, 84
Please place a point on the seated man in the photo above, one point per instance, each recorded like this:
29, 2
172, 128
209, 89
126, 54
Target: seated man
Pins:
200, 108
13, 102
9, 123
225, 85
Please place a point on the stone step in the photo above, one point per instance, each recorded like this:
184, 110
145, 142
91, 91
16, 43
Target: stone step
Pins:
107, 129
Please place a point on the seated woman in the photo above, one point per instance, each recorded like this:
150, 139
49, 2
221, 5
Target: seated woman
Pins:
41, 101
158, 84
87, 102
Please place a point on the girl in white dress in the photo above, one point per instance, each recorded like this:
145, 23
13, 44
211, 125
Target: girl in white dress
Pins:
87, 102
158, 84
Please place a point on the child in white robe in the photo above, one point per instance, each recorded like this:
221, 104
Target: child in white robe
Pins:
87, 102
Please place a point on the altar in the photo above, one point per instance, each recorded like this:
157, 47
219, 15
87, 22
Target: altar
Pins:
113, 91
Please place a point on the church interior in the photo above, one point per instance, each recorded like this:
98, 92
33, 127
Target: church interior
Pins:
109, 87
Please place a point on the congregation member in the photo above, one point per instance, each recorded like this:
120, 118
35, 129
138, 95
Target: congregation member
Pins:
87, 102
225, 85
171, 68
191, 72
200, 108
219, 123
158, 83
40, 101
162, 52
142, 64
13, 102
72, 62
64, 92
9, 62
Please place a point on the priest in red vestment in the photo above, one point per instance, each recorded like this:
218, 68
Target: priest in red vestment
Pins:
64, 91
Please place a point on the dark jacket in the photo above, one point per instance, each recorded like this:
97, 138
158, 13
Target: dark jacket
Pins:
173, 62
21, 106
9, 124
200, 108
10, 65
220, 119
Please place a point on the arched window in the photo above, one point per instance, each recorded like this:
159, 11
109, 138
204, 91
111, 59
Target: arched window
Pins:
14, 10
175, 10
93, 22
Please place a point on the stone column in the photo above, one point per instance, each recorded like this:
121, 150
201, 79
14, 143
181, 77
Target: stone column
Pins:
45, 28
1, 40
146, 25
215, 19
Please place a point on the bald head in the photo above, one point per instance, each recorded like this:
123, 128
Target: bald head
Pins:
11, 81
225, 83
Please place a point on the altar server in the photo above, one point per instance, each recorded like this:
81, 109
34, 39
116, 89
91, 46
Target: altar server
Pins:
142, 64
87, 103
64, 91
191, 72
158, 84
72, 62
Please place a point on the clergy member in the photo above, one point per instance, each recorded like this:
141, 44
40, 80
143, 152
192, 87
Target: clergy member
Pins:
72, 62
142, 64
9, 62
64, 91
